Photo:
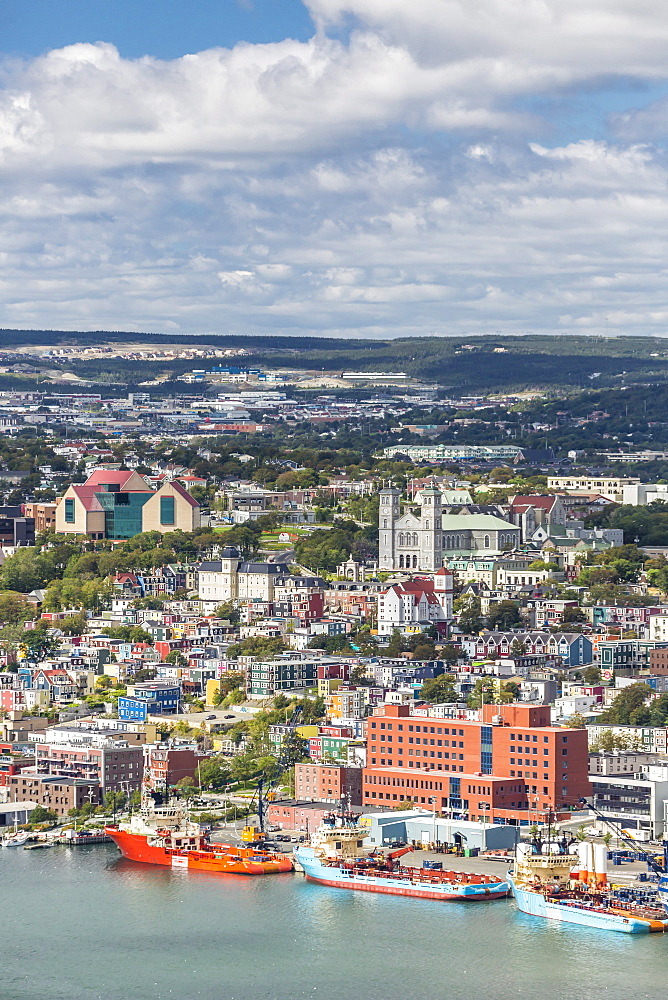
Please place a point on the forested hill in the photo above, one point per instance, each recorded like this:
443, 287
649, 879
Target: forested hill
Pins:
460, 364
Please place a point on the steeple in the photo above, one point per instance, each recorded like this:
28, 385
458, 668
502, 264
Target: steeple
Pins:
388, 513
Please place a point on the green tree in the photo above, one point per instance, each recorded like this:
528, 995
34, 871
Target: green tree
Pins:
450, 654
573, 616
294, 749
186, 788
14, 608
504, 615
629, 707
395, 646
658, 711
176, 658
228, 611
470, 614
258, 645
591, 675
128, 633
39, 643
439, 690
214, 773
359, 676
484, 692
42, 815
575, 721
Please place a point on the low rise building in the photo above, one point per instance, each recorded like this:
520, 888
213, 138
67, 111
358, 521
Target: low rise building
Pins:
327, 782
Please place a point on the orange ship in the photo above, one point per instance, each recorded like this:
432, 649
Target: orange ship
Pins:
163, 835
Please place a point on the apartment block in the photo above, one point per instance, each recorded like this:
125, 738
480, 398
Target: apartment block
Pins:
511, 766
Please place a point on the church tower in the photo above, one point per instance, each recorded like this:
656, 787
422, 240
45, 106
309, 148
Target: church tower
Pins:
229, 572
388, 514
431, 551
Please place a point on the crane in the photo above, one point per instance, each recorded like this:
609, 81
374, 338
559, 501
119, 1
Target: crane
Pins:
266, 788
622, 835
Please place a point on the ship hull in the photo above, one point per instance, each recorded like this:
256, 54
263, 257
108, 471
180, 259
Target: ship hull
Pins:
340, 878
136, 847
535, 904
662, 891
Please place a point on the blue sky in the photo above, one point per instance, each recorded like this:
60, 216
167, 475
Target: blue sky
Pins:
162, 28
343, 167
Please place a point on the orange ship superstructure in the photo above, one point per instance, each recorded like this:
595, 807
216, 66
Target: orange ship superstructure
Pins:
164, 835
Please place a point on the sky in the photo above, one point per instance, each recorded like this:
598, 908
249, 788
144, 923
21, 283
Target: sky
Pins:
355, 168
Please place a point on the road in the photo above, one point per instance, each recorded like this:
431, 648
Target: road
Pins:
285, 557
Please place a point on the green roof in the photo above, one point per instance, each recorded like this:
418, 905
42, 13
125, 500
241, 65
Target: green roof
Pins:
471, 522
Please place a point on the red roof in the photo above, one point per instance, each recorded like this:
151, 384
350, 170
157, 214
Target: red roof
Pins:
545, 502
182, 492
115, 477
86, 495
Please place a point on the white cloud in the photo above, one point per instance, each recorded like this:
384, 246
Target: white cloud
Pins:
383, 183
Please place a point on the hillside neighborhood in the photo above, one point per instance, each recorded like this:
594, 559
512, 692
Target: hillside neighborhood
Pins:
182, 615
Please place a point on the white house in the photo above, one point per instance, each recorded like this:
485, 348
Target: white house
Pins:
416, 602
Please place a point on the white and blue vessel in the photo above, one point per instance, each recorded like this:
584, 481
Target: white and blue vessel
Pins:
336, 857
548, 886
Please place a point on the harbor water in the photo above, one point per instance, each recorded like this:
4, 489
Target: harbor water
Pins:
84, 924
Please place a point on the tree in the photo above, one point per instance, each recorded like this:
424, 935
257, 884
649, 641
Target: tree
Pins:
484, 691
575, 721
424, 651
258, 645
14, 608
572, 615
187, 789
658, 711
128, 633
214, 773
228, 611
591, 675
330, 643
230, 684
359, 676
395, 646
470, 614
439, 690
450, 654
608, 742
42, 815
629, 707
294, 749
176, 658
504, 615
149, 603
115, 800
39, 643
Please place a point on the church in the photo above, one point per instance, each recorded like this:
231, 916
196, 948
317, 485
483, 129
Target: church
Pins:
421, 541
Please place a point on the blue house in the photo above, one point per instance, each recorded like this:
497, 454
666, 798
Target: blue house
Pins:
149, 698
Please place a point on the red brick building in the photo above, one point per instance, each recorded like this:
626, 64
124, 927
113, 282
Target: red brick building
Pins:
328, 783
56, 793
166, 766
292, 815
512, 766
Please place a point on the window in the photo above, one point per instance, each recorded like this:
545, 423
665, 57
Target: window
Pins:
166, 510
69, 510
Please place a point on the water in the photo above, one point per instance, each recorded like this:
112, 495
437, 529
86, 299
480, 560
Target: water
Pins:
83, 924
